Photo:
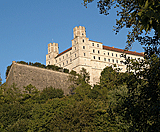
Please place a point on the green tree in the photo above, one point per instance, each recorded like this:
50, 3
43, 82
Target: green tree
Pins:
138, 15
50, 93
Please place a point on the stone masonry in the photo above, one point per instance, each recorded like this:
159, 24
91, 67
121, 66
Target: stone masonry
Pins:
23, 75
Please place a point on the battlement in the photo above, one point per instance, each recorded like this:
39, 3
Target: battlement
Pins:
79, 31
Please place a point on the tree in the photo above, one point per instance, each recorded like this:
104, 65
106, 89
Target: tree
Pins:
50, 93
141, 105
138, 15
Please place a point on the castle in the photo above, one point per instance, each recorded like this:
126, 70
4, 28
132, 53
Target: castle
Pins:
91, 55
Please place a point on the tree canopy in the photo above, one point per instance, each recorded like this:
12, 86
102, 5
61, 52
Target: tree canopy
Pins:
141, 16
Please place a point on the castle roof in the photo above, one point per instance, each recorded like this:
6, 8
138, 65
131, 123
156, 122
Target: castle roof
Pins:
123, 51
64, 51
109, 48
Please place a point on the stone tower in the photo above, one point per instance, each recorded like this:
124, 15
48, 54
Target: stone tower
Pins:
79, 32
52, 53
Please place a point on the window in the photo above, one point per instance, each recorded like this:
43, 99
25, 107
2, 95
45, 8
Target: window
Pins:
49, 62
116, 55
70, 53
75, 48
94, 57
97, 45
104, 53
56, 61
63, 63
67, 62
49, 56
93, 51
112, 54
59, 65
75, 55
113, 60
59, 59
83, 40
92, 44
104, 59
66, 55
84, 54
117, 61
108, 53
108, 60
82, 34
70, 60
63, 57
98, 51
99, 58
83, 47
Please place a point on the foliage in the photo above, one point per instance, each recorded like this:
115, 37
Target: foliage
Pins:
141, 107
50, 93
139, 15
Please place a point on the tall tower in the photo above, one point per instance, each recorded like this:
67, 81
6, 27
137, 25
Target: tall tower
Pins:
52, 53
79, 32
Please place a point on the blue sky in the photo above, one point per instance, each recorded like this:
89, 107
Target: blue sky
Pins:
27, 26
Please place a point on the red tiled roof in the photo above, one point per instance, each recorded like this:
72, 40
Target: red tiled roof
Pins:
120, 50
109, 48
64, 51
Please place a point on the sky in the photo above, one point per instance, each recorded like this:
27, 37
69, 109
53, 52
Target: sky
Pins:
27, 26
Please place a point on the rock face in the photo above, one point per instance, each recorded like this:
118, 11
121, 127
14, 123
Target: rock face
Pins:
23, 75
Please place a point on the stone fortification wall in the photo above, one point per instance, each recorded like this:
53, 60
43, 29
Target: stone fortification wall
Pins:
23, 75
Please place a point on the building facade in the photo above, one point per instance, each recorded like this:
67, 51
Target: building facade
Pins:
88, 54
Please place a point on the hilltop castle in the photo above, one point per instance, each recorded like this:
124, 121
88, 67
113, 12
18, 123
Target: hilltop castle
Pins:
91, 55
